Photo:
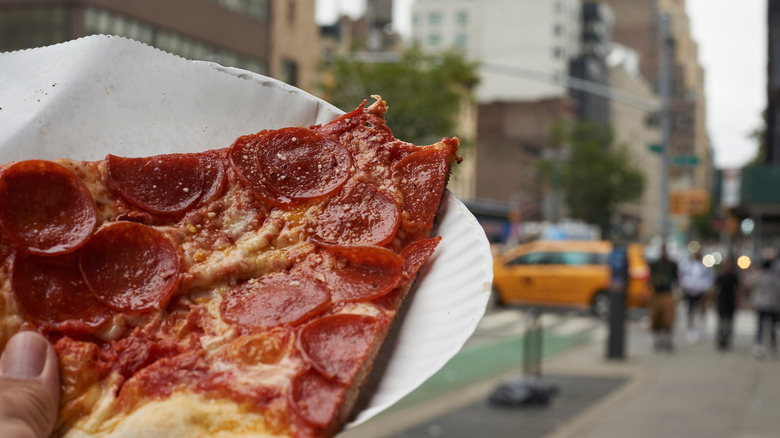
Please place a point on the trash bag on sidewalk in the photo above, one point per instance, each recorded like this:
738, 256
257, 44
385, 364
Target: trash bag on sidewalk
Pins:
523, 391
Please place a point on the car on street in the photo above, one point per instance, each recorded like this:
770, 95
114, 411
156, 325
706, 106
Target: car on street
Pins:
567, 274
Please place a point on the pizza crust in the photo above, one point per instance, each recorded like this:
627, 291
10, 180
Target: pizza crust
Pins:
185, 414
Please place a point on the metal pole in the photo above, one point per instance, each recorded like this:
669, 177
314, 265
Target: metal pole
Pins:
665, 83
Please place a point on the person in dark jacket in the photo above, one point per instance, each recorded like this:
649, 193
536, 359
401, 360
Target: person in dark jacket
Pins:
663, 279
727, 287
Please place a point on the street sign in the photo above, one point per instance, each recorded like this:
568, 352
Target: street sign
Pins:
685, 160
690, 202
656, 148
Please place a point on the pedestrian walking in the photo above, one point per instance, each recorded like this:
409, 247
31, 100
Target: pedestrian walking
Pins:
765, 297
696, 280
727, 287
663, 279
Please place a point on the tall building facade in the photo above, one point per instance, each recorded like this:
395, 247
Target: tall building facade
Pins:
591, 65
641, 219
512, 140
278, 38
637, 26
772, 139
524, 47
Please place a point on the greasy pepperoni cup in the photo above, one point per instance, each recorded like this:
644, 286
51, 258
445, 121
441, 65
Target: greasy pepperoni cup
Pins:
291, 165
315, 398
422, 177
164, 184
130, 267
212, 165
361, 273
336, 345
243, 159
45, 209
302, 164
359, 215
51, 292
274, 300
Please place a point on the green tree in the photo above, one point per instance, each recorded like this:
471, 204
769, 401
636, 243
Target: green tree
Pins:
423, 92
759, 136
598, 176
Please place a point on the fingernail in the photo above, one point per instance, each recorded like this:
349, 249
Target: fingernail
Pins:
24, 356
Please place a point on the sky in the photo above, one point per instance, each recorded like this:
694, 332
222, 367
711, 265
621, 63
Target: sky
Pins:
732, 49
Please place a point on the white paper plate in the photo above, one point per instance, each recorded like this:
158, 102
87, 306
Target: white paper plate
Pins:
98, 95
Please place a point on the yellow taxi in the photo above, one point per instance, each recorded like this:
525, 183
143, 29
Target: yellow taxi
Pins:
567, 273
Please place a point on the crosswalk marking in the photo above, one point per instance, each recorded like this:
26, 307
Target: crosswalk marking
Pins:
499, 319
574, 325
514, 323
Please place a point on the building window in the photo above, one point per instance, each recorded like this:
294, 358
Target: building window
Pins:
558, 53
290, 72
461, 40
415, 20
434, 18
291, 12
462, 18
434, 39
257, 9
25, 27
98, 21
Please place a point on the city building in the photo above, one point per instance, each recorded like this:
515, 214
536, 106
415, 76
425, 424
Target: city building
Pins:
637, 26
756, 200
524, 47
641, 219
591, 64
513, 138
278, 38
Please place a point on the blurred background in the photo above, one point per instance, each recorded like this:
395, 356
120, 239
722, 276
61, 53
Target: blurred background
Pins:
586, 125
560, 104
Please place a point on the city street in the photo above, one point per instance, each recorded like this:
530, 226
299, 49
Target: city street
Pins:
655, 392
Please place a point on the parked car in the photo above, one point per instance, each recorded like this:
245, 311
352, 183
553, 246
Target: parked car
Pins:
566, 273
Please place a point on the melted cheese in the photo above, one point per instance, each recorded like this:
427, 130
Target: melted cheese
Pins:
190, 415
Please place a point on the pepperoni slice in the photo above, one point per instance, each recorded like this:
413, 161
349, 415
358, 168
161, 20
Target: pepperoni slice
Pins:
337, 345
360, 215
130, 267
243, 159
300, 164
51, 292
275, 300
340, 125
362, 273
422, 177
315, 398
165, 184
416, 254
214, 176
45, 208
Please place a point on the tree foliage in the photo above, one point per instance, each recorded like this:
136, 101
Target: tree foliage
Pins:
598, 175
423, 92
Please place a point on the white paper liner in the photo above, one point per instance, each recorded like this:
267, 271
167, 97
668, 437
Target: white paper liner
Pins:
97, 95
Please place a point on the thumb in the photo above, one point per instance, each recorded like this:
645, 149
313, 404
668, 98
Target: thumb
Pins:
29, 387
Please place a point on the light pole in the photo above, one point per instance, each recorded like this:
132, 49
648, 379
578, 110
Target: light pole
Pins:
665, 85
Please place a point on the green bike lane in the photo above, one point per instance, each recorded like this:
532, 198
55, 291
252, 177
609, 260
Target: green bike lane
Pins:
479, 363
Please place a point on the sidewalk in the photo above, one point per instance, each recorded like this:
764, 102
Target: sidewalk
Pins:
694, 392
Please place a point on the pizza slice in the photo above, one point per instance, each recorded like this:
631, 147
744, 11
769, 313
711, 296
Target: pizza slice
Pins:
235, 292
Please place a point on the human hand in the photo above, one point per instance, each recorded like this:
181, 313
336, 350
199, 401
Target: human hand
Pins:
29, 387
